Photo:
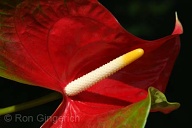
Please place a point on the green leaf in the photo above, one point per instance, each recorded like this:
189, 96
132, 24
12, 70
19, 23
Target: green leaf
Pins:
159, 102
135, 115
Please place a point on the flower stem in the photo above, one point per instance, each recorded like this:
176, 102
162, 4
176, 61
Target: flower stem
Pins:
30, 104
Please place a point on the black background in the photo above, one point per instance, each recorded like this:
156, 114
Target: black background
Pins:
148, 20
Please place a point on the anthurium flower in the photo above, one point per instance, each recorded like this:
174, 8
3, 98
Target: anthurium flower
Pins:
53, 43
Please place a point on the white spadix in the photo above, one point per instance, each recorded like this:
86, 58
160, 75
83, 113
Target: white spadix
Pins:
89, 79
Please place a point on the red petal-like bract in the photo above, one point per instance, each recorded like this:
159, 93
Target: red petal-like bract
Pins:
49, 43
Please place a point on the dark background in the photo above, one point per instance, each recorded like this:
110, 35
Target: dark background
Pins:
147, 19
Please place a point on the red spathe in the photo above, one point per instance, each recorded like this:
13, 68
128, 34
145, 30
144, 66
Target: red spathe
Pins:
51, 43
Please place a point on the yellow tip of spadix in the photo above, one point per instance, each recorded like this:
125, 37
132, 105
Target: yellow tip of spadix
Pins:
132, 56
91, 78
